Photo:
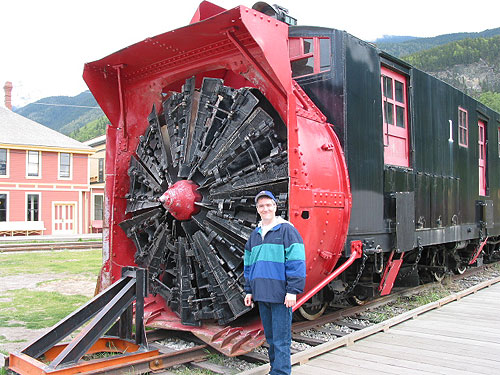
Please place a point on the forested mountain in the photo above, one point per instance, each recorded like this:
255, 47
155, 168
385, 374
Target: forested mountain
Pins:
91, 130
471, 65
410, 46
63, 113
491, 99
466, 51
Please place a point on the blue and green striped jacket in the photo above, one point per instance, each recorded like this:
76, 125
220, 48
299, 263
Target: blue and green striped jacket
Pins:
276, 265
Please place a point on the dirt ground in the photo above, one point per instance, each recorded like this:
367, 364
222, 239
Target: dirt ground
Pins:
18, 337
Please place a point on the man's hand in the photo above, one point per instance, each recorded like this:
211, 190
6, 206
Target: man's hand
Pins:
248, 300
290, 300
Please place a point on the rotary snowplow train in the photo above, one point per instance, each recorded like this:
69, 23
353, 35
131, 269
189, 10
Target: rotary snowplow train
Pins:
389, 174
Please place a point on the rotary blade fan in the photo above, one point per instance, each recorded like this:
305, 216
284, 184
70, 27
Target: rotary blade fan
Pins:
193, 179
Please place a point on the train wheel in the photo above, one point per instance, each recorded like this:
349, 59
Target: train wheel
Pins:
315, 307
358, 300
460, 269
196, 169
438, 260
312, 312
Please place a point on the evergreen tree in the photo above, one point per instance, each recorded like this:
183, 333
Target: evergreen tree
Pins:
91, 130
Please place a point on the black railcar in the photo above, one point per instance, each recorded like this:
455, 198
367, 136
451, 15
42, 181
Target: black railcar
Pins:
423, 157
405, 177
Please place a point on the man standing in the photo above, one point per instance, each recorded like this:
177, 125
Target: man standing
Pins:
275, 273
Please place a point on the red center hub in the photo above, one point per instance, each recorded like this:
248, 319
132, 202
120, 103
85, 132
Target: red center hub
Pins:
180, 199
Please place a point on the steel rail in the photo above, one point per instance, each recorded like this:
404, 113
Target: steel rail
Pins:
157, 363
44, 246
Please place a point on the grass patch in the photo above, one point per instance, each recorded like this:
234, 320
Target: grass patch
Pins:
4, 340
66, 261
216, 358
100, 355
46, 282
378, 316
404, 304
6, 320
425, 298
35, 310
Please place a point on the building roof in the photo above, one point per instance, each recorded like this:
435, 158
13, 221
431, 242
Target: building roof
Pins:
97, 141
18, 130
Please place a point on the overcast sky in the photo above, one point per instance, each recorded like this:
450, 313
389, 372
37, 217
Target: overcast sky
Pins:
44, 44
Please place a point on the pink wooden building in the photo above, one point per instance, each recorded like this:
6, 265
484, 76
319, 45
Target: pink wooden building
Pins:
44, 179
97, 168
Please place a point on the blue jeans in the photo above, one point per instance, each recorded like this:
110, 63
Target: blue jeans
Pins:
277, 321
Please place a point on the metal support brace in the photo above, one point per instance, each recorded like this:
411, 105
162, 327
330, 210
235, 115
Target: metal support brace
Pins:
111, 311
390, 273
478, 251
356, 252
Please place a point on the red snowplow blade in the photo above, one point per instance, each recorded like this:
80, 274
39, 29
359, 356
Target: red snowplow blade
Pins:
240, 40
246, 49
238, 338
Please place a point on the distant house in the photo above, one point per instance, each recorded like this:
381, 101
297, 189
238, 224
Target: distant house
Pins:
97, 176
44, 179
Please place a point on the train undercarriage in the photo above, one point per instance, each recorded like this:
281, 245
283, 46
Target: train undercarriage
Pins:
421, 265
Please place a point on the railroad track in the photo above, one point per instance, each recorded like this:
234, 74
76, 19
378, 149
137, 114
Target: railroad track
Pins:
342, 327
334, 329
381, 301
45, 246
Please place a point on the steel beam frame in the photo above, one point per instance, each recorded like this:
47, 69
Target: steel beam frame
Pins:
111, 311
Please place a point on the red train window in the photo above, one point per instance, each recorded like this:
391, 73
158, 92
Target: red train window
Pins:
463, 127
482, 157
309, 55
395, 117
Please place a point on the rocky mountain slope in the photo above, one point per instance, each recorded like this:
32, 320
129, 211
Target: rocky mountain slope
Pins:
471, 65
403, 46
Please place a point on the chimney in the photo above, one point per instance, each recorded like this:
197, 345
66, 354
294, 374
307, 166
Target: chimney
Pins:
8, 94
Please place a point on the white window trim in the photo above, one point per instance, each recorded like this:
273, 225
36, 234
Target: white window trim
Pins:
466, 144
39, 177
59, 166
39, 204
103, 170
7, 169
92, 216
7, 193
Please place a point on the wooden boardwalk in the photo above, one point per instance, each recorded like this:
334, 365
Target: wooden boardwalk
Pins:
460, 338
